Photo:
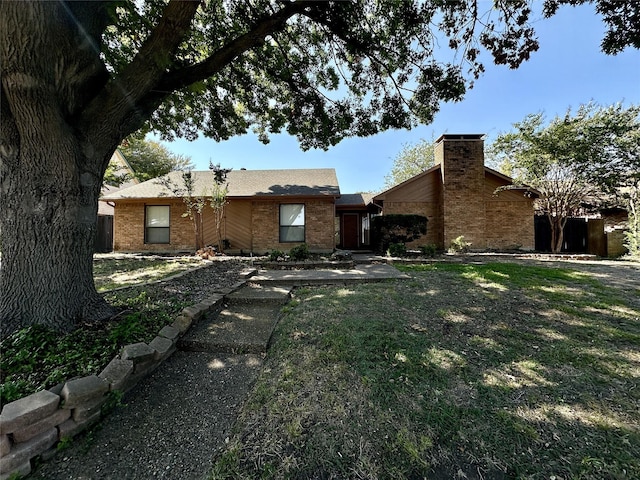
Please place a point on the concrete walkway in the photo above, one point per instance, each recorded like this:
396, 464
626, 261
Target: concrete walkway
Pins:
176, 421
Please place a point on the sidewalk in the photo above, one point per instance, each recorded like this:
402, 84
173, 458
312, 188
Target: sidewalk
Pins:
175, 422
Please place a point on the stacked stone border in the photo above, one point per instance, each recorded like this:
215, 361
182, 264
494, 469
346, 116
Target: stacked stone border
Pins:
31, 427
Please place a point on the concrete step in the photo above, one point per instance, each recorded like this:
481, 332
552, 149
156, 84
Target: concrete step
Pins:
260, 294
238, 329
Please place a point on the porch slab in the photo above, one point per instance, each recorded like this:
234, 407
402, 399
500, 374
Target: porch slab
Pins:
375, 272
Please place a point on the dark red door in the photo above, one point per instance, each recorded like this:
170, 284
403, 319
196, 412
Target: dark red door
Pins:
350, 230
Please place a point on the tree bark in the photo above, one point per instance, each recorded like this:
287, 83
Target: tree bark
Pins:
50, 174
48, 229
557, 233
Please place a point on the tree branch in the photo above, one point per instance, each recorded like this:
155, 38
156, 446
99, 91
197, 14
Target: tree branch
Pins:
121, 98
177, 79
217, 61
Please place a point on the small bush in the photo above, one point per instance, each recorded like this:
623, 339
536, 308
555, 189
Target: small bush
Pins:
276, 256
299, 252
397, 250
429, 250
458, 245
389, 229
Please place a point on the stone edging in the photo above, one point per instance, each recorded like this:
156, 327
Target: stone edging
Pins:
31, 427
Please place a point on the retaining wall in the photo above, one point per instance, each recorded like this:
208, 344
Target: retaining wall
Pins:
31, 427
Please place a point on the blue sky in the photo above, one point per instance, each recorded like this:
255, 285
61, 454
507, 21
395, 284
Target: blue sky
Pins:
568, 70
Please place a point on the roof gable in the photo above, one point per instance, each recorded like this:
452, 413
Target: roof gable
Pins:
500, 178
400, 186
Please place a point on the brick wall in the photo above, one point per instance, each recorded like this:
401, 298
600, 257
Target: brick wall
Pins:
128, 228
510, 225
319, 225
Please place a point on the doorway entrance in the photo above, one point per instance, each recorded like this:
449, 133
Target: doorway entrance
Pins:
350, 231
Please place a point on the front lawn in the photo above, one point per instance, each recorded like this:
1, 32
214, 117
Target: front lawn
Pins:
110, 272
37, 358
493, 371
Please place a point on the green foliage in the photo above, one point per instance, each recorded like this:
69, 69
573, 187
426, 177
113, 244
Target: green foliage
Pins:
195, 201
397, 250
64, 443
632, 234
114, 400
37, 357
350, 78
459, 245
151, 159
388, 229
300, 252
218, 200
126, 330
276, 256
429, 250
410, 161
590, 156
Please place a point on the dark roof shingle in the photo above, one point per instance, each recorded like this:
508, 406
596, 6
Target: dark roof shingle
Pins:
244, 183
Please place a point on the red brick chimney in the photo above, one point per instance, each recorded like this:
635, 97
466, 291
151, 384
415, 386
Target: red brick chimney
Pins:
462, 167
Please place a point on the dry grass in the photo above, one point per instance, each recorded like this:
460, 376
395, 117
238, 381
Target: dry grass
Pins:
110, 272
465, 371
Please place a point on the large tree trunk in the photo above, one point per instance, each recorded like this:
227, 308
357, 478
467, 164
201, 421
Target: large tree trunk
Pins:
48, 226
50, 174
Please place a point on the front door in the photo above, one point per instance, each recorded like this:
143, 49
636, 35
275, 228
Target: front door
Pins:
350, 230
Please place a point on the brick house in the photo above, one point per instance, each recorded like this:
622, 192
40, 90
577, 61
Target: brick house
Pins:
458, 196
266, 210
279, 209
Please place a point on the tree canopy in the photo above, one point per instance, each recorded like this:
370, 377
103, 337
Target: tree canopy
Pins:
77, 77
589, 157
151, 159
410, 161
147, 158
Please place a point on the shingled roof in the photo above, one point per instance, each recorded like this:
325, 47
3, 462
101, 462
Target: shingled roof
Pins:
244, 183
355, 199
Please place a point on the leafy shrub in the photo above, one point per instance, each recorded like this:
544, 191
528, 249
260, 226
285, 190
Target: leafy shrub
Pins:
300, 252
429, 250
632, 235
388, 229
458, 245
276, 256
397, 250
127, 330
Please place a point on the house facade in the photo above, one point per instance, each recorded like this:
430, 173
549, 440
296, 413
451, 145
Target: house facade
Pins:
266, 210
460, 197
279, 209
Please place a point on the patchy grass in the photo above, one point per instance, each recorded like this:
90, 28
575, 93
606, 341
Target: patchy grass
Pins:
37, 358
111, 272
493, 371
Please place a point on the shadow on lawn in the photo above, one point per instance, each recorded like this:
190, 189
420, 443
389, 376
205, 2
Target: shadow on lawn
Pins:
518, 370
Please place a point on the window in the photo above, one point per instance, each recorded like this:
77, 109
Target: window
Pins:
292, 223
156, 224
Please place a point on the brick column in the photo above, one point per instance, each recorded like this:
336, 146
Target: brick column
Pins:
462, 167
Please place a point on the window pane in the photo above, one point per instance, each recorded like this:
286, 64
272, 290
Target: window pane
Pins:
158, 235
158, 216
292, 215
292, 234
